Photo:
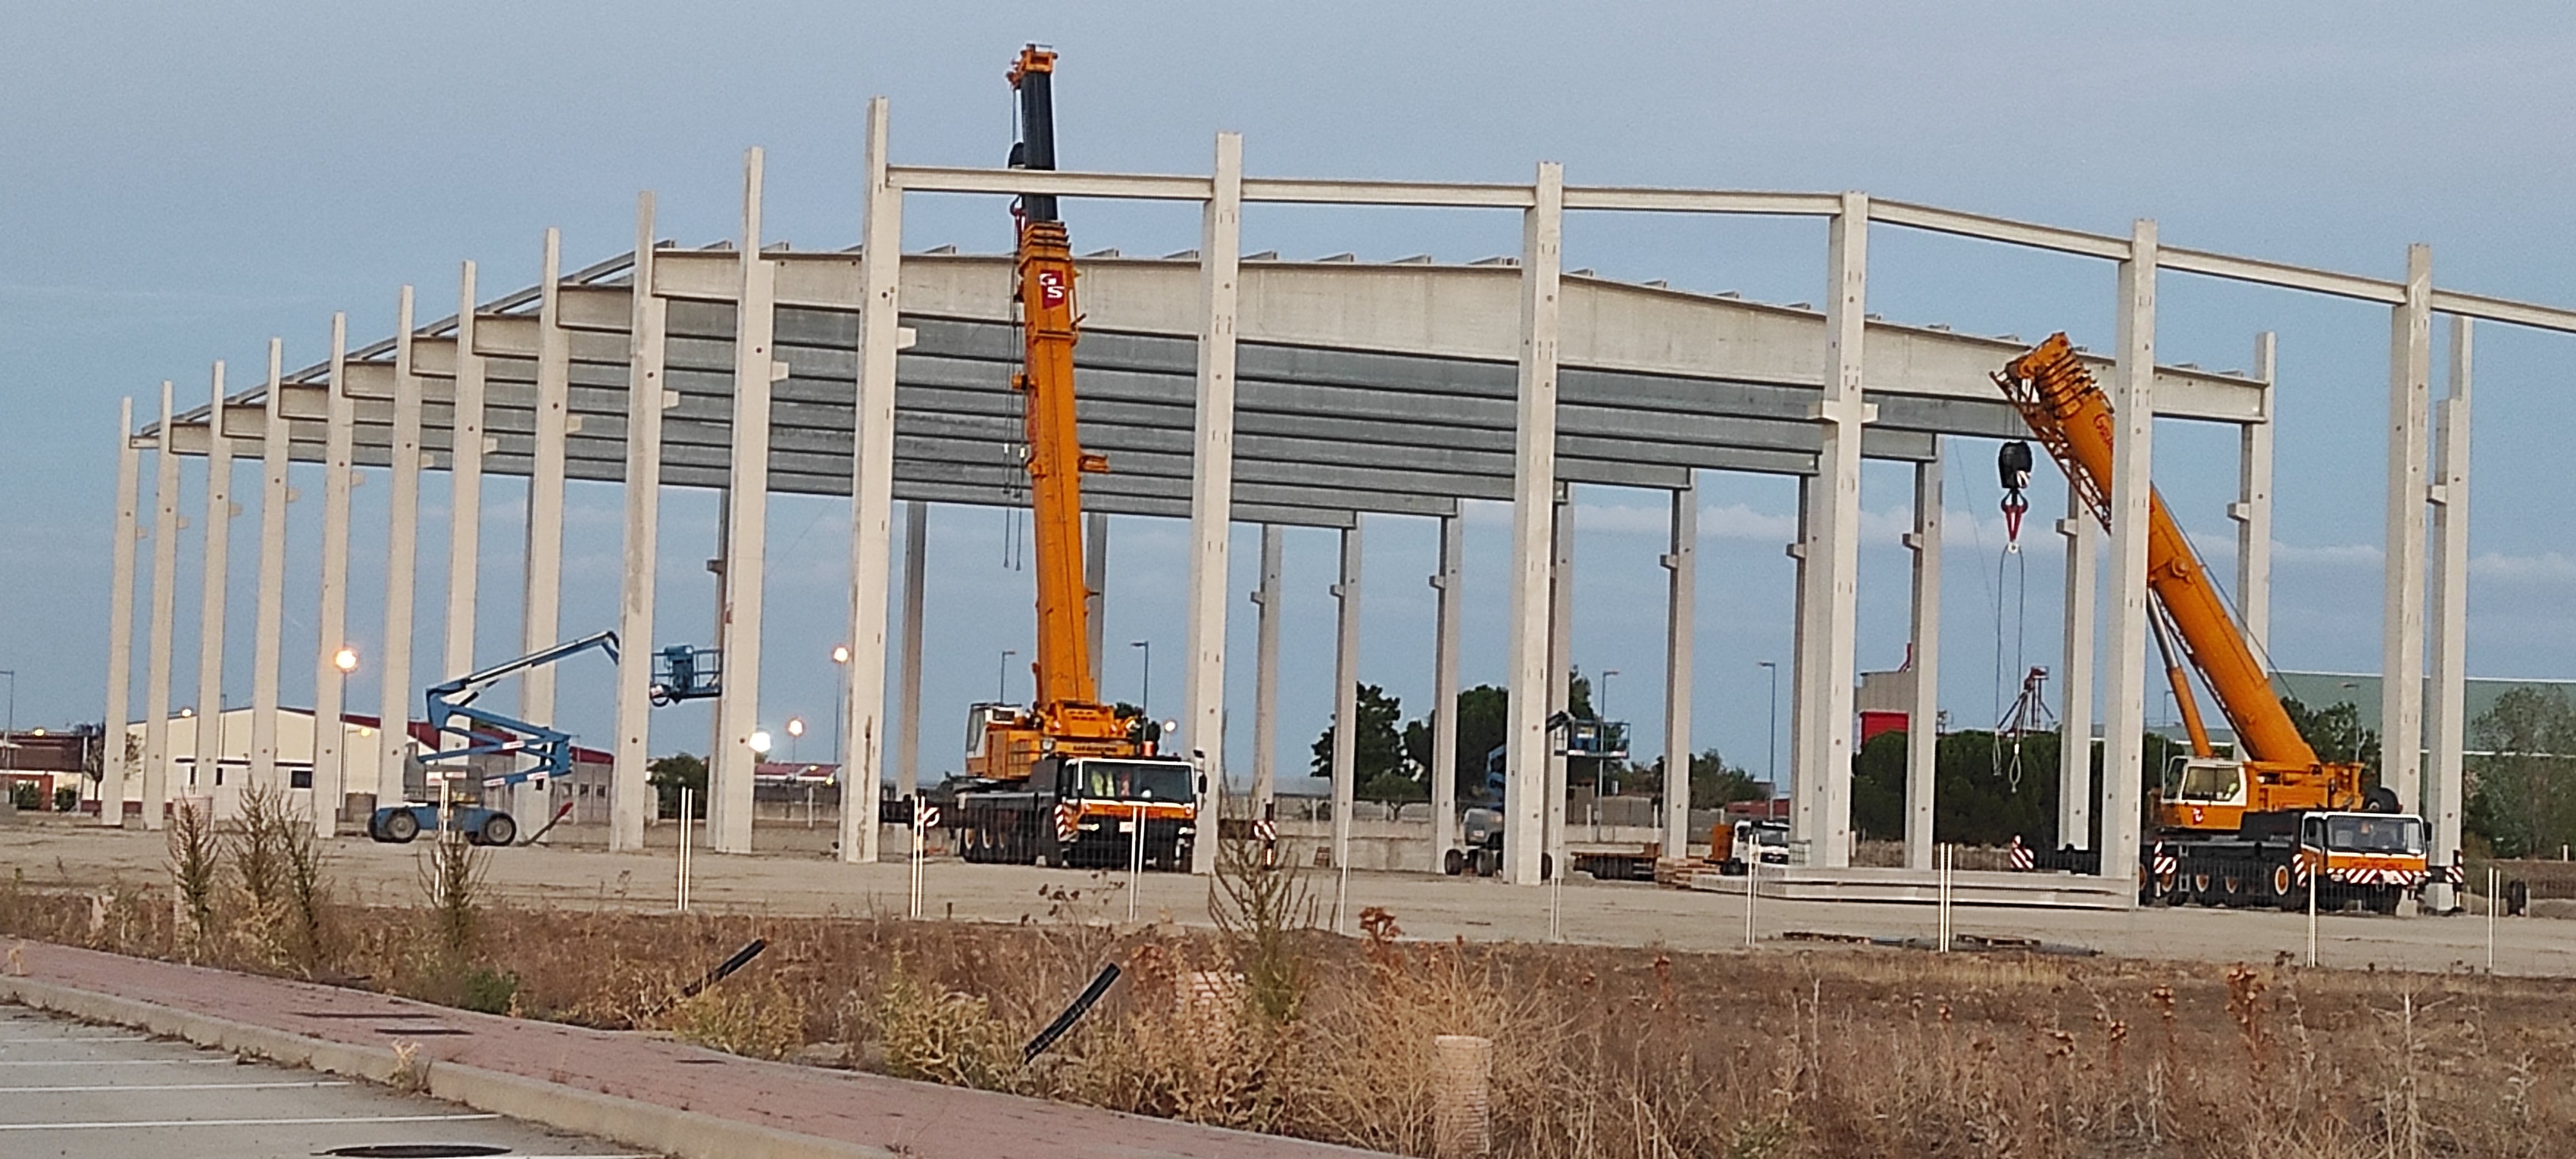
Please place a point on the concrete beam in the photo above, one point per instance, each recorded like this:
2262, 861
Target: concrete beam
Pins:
632, 802
2133, 408
1346, 701
871, 497
270, 608
916, 583
541, 597
401, 560
1681, 625
115, 762
2075, 674
2401, 649
165, 599
2252, 512
1444, 688
1212, 492
1533, 522
756, 367
465, 446
2447, 712
205, 774
1265, 675
331, 615
1923, 711
1833, 562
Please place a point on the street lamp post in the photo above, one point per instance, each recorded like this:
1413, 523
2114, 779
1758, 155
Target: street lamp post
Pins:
841, 697
9, 740
795, 730
1774, 729
1601, 712
1145, 695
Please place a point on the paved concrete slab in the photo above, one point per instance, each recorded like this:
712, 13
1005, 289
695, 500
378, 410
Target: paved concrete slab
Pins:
644, 1091
74, 1089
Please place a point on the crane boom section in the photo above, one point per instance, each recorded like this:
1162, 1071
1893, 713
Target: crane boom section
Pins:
1055, 464
2057, 397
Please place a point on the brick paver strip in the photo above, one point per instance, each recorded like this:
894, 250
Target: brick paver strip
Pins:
905, 1118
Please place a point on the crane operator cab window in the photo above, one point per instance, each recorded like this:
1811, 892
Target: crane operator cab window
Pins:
1117, 780
2373, 833
2205, 782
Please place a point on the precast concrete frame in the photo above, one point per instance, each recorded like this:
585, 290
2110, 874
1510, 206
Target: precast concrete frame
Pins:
1240, 388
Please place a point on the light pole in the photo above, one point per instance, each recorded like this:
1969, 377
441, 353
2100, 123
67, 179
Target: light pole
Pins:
795, 730
345, 661
1774, 730
1145, 695
9, 740
1601, 712
841, 698
1002, 677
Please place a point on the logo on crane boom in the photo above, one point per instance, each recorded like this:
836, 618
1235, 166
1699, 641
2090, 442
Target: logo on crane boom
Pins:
1051, 287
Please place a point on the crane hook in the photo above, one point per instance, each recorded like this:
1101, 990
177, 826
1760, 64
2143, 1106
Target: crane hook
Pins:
2012, 464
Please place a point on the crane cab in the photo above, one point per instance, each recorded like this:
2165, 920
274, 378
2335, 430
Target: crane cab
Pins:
2202, 793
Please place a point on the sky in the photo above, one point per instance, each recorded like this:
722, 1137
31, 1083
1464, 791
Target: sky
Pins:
185, 181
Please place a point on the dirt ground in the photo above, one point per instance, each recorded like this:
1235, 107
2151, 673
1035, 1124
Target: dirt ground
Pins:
53, 855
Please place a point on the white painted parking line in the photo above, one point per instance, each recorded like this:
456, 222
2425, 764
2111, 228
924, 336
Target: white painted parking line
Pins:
177, 1087
58, 1062
132, 1124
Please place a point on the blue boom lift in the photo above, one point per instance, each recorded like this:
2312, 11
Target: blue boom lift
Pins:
680, 673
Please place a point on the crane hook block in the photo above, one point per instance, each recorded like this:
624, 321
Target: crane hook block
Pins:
2012, 466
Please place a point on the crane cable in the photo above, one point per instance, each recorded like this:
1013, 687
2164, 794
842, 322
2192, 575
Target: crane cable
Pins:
2012, 465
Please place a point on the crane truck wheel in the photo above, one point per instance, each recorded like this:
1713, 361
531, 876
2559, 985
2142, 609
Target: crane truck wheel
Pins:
2285, 889
498, 829
1453, 861
2381, 800
400, 826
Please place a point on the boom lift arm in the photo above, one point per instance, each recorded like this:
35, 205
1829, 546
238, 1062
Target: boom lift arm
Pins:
491, 733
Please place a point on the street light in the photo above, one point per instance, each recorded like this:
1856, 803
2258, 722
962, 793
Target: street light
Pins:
1002, 677
1775, 723
346, 660
758, 743
795, 729
1145, 695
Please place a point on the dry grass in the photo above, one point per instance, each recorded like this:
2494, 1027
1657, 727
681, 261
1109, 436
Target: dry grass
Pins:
1600, 1051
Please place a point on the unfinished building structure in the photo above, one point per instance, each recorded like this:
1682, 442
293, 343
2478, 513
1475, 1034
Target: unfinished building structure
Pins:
1240, 388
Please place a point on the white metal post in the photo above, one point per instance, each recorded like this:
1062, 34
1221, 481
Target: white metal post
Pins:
2253, 507
916, 555
871, 497
464, 486
542, 597
1444, 692
2447, 711
1265, 674
2124, 663
1212, 492
401, 560
165, 599
2075, 674
631, 800
2401, 649
330, 708
1834, 560
1346, 698
1533, 524
270, 609
1681, 625
1923, 713
114, 762
209, 753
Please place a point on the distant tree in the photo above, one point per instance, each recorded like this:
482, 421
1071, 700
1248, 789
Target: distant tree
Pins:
2336, 733
1714, 784
2522, 791
668, 775
1380, 767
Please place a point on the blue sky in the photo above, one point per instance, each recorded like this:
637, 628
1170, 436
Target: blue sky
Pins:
187, 180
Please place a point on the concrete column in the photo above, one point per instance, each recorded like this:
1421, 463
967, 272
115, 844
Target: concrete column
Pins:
916, 554
114, 764
1681, 625
464, 487
1560, 662
2401, 649
542, 596
165, 579
1346, 698
1802, 668
1265, 675
1533, 524
1833, 561
871, 497
1444, 691
2075, 674
1923, 713
755, 369
2252, 510
271, 606
331, 617
204, 775
2125, 660
165, 599
2447, 713
401, 563
631, 803
1212, 493
1095, 581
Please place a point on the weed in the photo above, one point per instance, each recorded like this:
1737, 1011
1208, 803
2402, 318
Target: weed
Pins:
196, 865
757, 1018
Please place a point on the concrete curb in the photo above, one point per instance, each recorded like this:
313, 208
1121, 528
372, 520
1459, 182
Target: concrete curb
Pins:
684, 1134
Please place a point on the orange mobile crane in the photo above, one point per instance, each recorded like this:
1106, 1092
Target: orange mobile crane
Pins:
1064, 780
2249, 828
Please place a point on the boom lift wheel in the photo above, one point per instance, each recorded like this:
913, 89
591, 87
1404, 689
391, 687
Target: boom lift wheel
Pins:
498, 829
400, 826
